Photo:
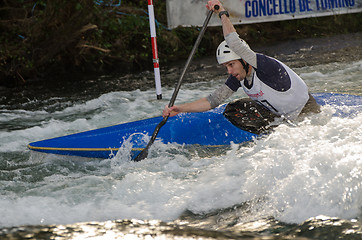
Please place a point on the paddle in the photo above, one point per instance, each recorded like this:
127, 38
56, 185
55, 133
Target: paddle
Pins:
144, 152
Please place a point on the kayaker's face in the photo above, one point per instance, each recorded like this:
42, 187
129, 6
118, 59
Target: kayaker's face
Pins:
235, 68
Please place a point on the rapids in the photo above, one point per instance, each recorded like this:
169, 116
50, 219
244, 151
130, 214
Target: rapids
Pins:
296, 178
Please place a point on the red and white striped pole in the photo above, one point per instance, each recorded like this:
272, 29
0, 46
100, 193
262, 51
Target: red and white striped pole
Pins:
156, 66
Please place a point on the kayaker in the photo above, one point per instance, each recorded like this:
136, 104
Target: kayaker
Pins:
274, 89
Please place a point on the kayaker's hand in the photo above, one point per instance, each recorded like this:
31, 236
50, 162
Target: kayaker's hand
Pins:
210, 5
172, 111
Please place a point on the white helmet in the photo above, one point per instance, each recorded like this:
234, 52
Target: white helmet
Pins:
225, 54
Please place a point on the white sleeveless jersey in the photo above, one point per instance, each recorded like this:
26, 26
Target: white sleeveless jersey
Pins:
277, 87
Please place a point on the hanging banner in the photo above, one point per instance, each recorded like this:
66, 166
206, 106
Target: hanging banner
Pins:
192, 12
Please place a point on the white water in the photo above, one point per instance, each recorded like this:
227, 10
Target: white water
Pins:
292, 174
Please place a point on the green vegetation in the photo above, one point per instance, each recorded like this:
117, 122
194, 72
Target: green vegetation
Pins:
40, 37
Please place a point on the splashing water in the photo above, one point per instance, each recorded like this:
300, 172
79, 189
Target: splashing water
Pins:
293, 174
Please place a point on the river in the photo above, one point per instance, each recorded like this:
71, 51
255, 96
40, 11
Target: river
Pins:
300, 182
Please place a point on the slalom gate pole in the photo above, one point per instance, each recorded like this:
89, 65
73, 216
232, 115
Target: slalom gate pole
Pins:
156, 66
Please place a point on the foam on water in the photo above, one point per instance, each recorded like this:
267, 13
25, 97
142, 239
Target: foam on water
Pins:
309, 170
109, 109
292, 174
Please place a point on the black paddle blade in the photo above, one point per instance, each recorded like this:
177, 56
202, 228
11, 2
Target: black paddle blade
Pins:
142, 155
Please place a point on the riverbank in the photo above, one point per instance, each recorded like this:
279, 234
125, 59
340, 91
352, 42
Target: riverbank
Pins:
344, 48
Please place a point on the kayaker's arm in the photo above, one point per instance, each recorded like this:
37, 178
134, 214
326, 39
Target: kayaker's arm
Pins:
219, 96
239, 46
200, 105
227, 26
212, 101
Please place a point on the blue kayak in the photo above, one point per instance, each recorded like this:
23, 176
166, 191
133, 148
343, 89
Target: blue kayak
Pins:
208, 129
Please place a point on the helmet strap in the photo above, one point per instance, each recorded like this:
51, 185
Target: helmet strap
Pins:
246, 66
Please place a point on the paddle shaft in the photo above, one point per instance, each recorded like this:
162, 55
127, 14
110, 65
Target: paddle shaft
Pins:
144, 152
198, 40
